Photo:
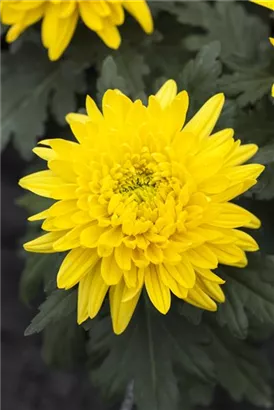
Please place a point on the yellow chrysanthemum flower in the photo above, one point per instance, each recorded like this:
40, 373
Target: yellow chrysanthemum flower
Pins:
270, 5
143, 201
60, 18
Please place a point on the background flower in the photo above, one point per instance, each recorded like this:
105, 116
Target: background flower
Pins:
60, 18
143, 200
270, 5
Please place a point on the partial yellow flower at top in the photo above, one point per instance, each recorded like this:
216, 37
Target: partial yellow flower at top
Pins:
270, 5
143, 201
265, 3
60, 18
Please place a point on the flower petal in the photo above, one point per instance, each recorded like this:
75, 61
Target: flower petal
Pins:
158, 292
83, 298
44, 244
204, 121
98, 291
75, 266
121, 312
110, 271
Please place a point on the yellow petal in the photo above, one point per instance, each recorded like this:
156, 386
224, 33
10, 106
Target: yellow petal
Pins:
98, 291
154, 254
63, 169
117, 15
234, 216
245, 241
110, 271
83, 298
167, 93
241, 154
130, 292
121, 312
44, 244
213, 290
78, 128
63, 207
76, 117
130, 277
75, 266
115, 107
244, 172
110, 36
140, 11
208, 275
158, 292
171, 283
64, 32
204, 121
112, 237
93, 111
49, 25
202, 257
69, 241
227, 254
89, 16
265, 3
185, 268
41, 183
90, 236
198, 298
44, 153
123, 257
14, 32
39, 216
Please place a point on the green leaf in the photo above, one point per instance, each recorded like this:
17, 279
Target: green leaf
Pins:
248, 86
30, 82
199, 77
124, 70
244, 46
232, 313
195, 393
148, 352
240, 368
35, 274
57, 306
64, 343
191, 313
109, 78
248, 290
239, 32
256, 125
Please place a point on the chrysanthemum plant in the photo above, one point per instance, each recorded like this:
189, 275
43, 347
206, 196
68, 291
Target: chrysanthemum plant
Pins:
157, 273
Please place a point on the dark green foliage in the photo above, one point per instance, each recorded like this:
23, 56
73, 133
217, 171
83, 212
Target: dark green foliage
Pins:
172, 361
240, 369
39, 271
177, 360
164, 344
200, 76
34, 84
58, 305
249, 292
64, 343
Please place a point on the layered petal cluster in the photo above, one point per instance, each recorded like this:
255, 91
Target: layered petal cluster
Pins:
270, 5
60, 18
142, 200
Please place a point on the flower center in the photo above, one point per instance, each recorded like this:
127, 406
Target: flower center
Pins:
138, 177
